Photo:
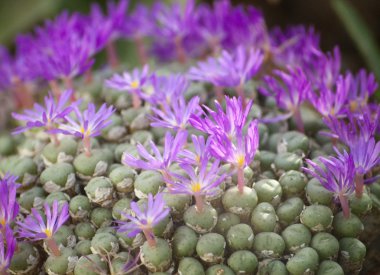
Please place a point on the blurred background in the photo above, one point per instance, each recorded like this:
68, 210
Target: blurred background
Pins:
336, 20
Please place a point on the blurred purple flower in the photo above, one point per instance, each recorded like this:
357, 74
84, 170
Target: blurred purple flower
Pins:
144, 219
7, 248
9, 207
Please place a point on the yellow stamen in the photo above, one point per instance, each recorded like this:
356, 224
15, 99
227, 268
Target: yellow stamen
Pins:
3, 222
196, 187
240, 160
135, 84
48, 233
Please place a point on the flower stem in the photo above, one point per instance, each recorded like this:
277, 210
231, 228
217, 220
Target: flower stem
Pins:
141, 50
240, 92
149, 237
240, 177
359, 185
198, 203
181, 54
87, 146
55, 88
53, 246
299, 121
136, 101
55, 140
113, 60
345, 207
219, 93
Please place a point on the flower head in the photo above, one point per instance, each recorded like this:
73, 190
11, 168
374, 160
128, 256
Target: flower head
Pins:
338, 174
201, 181
201, 151
88, 123
133, 82
176, 114
9, 206
157, 161
46, 116
144, 218
229, 70
7, 248
35, 227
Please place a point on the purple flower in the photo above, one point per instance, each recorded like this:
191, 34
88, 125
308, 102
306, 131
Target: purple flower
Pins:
239, 151
329, 102
34, 226
9, 206
202, 181
88, 123
290, 92
176, 114
7, 248
144, 219
138, 24
229, 70
157, 161
219, 121
201, 151
132, 82
337, 176
46, 116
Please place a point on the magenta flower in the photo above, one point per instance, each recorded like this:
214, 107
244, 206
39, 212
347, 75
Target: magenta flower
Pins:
201, 151
157, 161
7, 248
87, 124
176, 114
35, 228
219, 121
289, 93
9, 206
144, 219
337, 176
133, 83
229, 70
47, 116
201, 181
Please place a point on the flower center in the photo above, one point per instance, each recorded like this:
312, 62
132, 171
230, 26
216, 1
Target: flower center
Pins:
135, 84
196, 187
3, 222
240, 160
48, 233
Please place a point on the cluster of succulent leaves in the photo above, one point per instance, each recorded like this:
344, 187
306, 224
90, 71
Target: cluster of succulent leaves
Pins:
233, 149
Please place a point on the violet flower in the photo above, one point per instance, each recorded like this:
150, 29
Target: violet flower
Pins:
35, 228
239, 151
9, 207
289, 93
220, 121
337, 176
144, 219
47, 116
201, 151
7, 248
87, 124
229, 70
202, 181
132, 83
157, 161
176, 114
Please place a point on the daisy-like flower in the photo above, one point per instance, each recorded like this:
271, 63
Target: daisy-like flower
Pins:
9, 206
47, 116
132, 83
337, 176
201, 181
201, 151
290, 92
229, 70
35, 227
87, 124
144, 219
239, 151
221, 121
157, 161
176, 114
7, 249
